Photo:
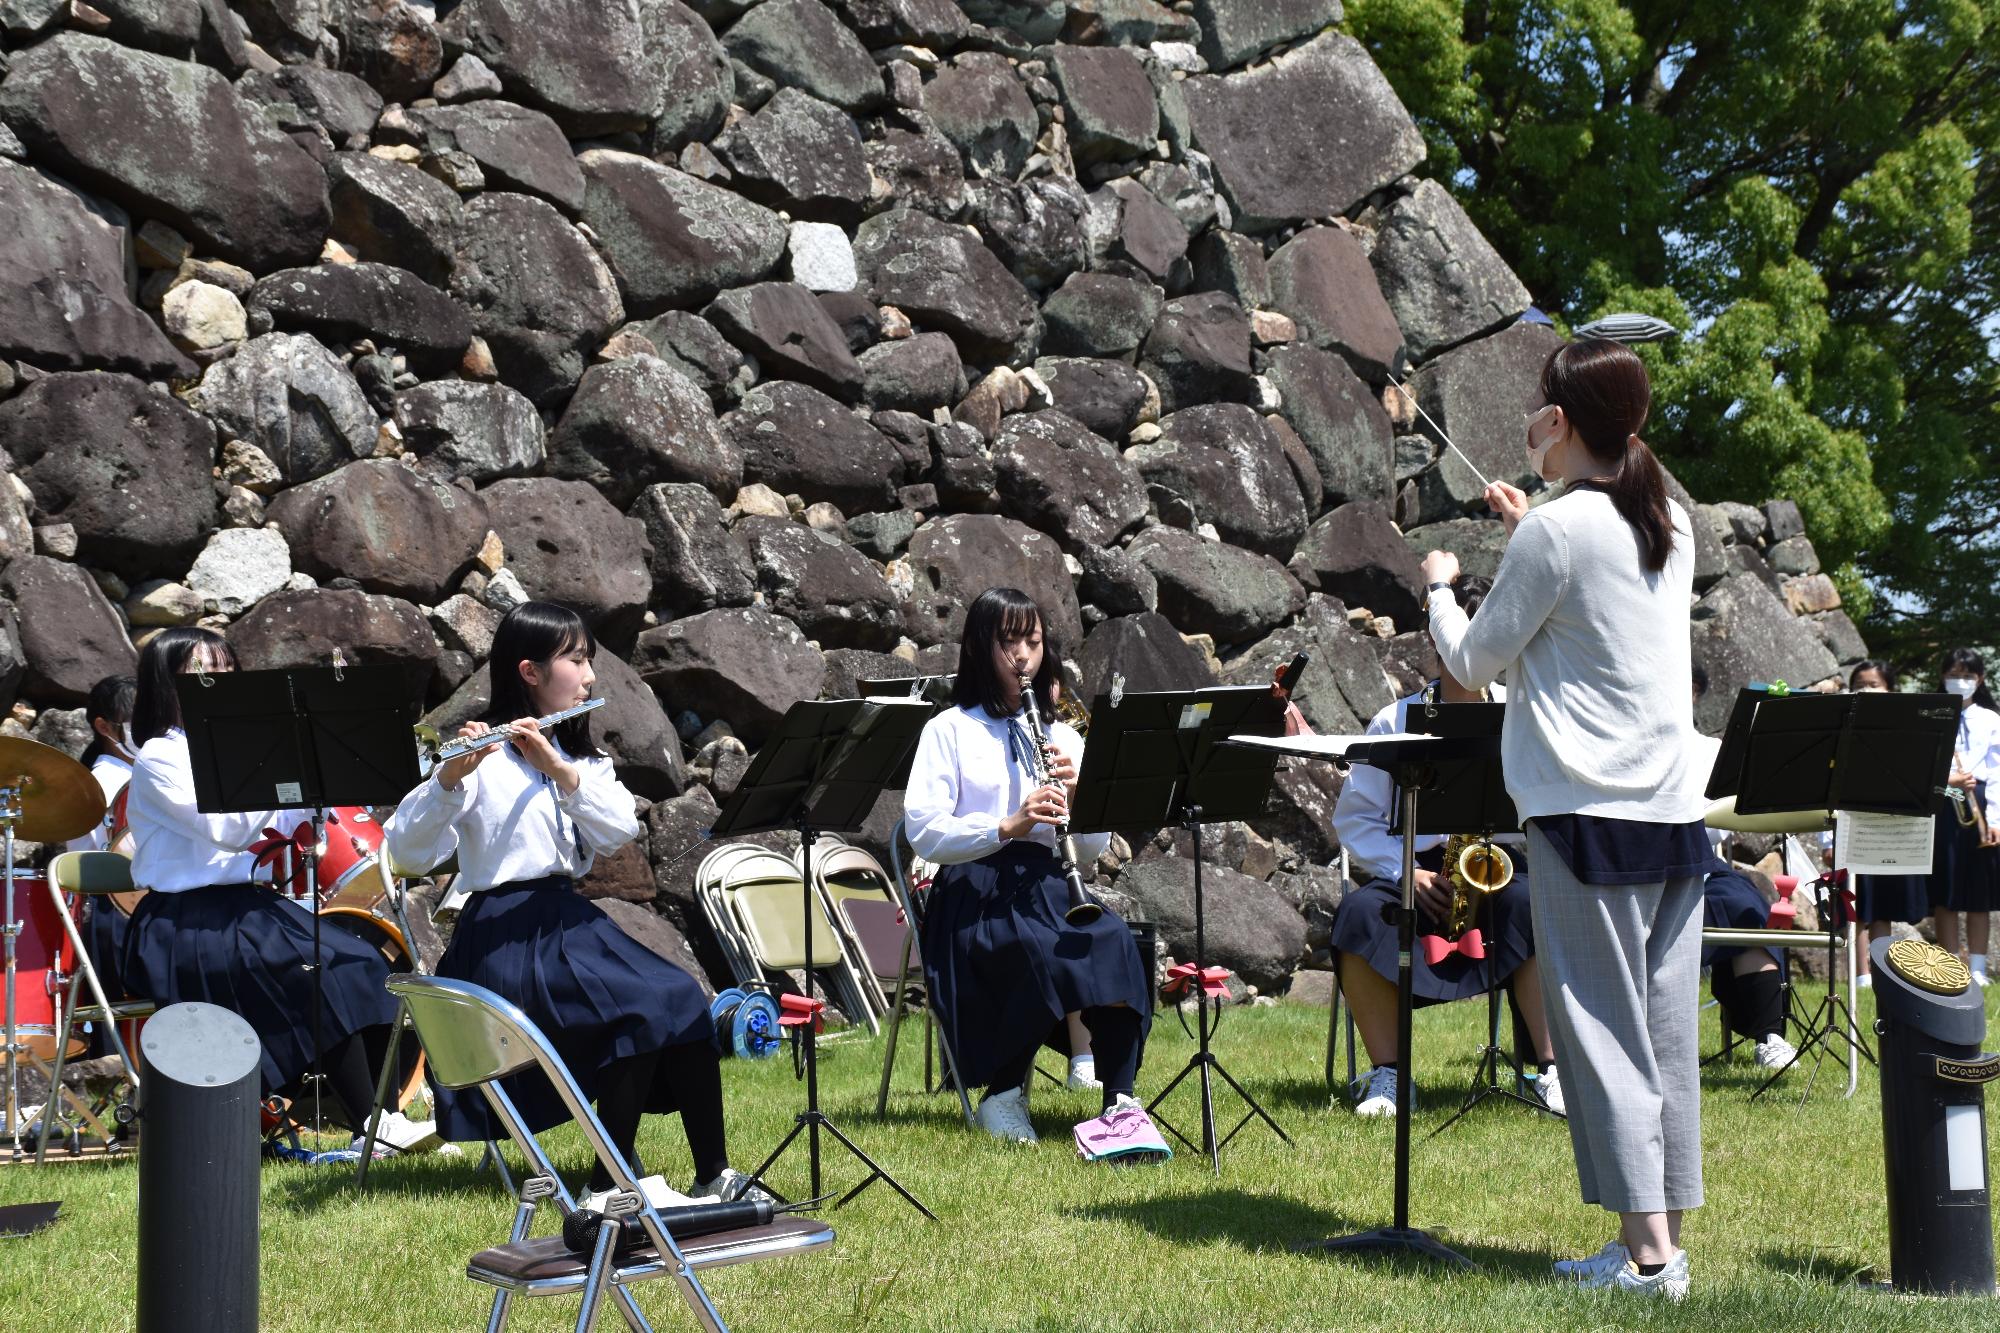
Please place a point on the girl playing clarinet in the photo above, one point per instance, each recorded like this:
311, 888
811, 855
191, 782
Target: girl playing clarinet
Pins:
1001, 959
527, 819
208, 932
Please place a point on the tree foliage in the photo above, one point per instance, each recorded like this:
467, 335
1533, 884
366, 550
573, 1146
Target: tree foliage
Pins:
1809, 189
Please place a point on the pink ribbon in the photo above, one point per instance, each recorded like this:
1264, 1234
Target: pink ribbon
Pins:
1181, 977
1471, 944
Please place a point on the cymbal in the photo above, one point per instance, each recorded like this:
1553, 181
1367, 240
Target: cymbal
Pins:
1722, 816
59, 798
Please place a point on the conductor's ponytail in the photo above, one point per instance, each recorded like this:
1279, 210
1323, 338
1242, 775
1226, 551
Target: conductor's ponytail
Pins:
1604, 392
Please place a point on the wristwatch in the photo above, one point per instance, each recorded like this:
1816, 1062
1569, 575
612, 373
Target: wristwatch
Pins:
1434, 587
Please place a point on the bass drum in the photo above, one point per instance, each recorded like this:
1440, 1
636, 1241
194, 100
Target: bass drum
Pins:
361, 908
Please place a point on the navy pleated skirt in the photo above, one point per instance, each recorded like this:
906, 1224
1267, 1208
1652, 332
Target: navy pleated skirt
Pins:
596, 993
1730, 898
1964, 876
246, 949
1362, 926
1004, 966
104, 932
1892, 897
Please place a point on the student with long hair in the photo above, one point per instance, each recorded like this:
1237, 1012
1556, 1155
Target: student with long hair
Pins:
527, 819
1964, 874
109, 759
1002, 962
212, 929
1588, 619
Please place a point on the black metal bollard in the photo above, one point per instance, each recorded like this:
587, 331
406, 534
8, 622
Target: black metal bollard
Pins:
1932, 1022
198, 1165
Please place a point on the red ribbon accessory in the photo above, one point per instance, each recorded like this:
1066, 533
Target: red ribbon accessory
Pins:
1471, 944
274, 847
796, 1011
1182, 977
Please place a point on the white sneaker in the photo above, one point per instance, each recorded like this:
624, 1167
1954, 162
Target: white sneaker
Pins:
657, 1191
1981, 980
1589, 1271
399, 1133
1550, 1089
1083, 1075
1004, 1115
1124, 1101
730, 1186
1670, 1282
1774, 1052
1866, 981
1378, 1095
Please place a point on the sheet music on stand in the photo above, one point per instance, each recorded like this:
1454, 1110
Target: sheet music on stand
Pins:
1883, 844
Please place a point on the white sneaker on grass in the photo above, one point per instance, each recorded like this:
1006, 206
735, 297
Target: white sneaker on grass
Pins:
729, 1187
1612, 1256
657, 1191
1774, 1052
400, 1134
1670, 1282
1004, 1115
1083, 1075
1548, 1086
1378, 1095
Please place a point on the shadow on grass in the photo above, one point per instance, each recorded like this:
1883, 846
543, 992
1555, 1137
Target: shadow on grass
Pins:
1817, 1264
427, 1176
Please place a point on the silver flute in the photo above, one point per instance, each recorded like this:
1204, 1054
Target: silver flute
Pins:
464, 745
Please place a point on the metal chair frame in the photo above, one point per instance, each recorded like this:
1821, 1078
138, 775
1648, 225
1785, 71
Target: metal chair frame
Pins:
900, 882
91, 874
726, 883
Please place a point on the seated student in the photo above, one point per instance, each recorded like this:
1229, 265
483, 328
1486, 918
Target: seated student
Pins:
109, 759
527, 819
208, 931
999, 956
1364, 940
1746, 982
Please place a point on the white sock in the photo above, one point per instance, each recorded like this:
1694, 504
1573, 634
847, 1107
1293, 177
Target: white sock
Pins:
1083, 1066
1979, 962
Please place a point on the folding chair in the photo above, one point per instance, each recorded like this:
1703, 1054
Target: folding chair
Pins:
856, 889
96, 875
906, 884
474, 1039
755, 901
1335, 1009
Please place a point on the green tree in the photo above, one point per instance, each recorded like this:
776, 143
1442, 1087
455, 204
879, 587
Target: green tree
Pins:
1810, 190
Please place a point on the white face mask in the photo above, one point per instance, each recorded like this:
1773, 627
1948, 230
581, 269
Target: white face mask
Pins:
1872, 689
1539, 453
125, 730
1962, 686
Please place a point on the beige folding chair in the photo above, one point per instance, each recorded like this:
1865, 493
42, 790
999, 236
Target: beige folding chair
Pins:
95, 875
764, 900
857, 891
909, 983
474, 1039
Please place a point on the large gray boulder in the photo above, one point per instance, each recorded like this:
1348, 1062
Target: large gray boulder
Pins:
392, 213
1229, 468
70, 636
1113, 114
1342, 425
343, 104
937, 24
481, 432
1322, 279
1477, 393
339, 303
1036, 227
1199, 351
1147, 651
699, 85
696, 348
788, 331
1267, 130
941, 276
1443, 279
516, 148
978, 103
384, 526
1057, 476
392, 44
801, 44
1743, 632
799, 154
673, 240
955, 558
63, 298
1101, 315
794, 438
306, 628
597, 66
293, 399
1477, 542
1235, 32
637, 421
1343, 685
1216, 589
539, 295
834, 594
1106, 396
567, 544
740, 665
1356, 554
168, 140
1247, 927
914, 374
920, 167
698, 563
127, 467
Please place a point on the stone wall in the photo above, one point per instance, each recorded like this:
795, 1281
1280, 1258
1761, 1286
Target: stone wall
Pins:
767, 335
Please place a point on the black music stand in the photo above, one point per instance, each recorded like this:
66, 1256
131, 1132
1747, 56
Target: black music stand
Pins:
1160, 758
821, 773
1414, 764
1870, 753
1470, 796
307, 738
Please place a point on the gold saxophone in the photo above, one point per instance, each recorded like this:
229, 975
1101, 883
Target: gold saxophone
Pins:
1477, 867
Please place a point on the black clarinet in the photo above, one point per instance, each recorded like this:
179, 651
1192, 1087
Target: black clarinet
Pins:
1082, 911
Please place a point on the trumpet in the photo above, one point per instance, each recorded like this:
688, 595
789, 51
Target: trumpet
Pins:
1965, 805
434, 749
1082, 911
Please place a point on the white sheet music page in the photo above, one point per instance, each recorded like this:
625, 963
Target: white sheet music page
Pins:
1883, 844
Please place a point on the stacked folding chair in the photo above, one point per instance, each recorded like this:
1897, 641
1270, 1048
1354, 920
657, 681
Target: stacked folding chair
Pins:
753, 899
873, 925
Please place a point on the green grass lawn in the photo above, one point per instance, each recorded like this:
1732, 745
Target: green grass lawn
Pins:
1032, 1239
